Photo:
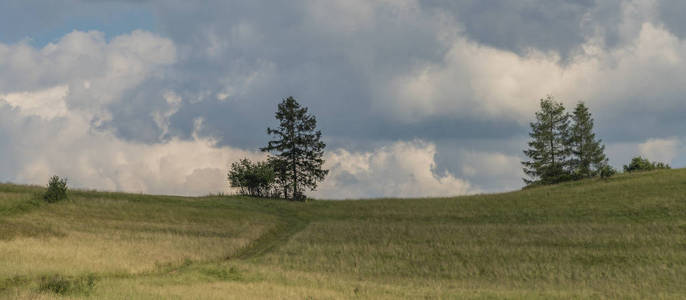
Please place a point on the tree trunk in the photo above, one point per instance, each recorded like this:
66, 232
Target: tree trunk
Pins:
552, 141
295, 177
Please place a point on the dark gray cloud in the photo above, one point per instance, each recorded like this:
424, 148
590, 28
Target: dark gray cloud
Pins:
521, 25
671, 13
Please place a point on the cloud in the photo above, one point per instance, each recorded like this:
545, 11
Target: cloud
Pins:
474, 81
161, 117
409, 69
464, 76
48, 104
59, 129
494, 170
393, 67
68, 145
402, 169
95, 73
54, 124
487, 83
663, 150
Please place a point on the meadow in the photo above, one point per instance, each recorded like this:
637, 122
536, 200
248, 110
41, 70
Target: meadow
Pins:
619, 238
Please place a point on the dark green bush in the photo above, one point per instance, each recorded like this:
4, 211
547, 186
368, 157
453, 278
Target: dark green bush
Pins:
57, 189
607, 171
253, 179
661, 165
643, 164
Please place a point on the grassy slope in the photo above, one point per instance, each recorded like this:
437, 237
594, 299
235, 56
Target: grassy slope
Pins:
624, 238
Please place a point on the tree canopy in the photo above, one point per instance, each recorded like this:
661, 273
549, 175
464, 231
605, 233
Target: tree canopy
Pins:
588, 154
297, 148
548, 150
253, 179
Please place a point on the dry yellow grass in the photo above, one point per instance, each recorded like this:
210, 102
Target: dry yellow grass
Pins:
91, 235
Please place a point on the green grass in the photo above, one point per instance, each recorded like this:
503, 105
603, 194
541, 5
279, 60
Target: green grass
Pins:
621, 238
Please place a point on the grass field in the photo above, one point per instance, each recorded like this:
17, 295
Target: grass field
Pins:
622, 238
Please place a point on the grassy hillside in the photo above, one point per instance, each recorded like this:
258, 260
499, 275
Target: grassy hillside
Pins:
622, 238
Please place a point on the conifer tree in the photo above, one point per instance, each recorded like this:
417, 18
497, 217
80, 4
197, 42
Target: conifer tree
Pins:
299, 150
549, 148
588, 154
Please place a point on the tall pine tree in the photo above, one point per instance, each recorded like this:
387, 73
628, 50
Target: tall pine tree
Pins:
548, 150
588, 154
299, 149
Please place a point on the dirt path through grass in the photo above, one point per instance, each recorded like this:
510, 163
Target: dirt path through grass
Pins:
290, 223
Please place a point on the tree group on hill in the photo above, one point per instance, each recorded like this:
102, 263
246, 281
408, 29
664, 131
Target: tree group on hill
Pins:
563, 146
297, 162
639, 163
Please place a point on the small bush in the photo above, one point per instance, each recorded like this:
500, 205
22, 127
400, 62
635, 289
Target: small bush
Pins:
607, 171
643, 164
62, 285
57, 189
661, 165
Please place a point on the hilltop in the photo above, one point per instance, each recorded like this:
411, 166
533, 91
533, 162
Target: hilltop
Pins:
620, 238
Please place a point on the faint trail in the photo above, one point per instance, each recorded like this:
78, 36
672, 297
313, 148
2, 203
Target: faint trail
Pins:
289, 224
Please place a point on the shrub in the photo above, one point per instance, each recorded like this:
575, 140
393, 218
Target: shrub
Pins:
253, 179
607, 171
643, 164
57, 189
661, 165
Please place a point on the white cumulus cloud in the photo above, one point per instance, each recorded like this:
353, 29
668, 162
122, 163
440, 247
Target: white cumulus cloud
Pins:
46, 104
53, 98
68, 146
402, 169
663, 150
484, 82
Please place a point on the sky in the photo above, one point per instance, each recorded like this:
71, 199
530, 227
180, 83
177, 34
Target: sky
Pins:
414, 98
